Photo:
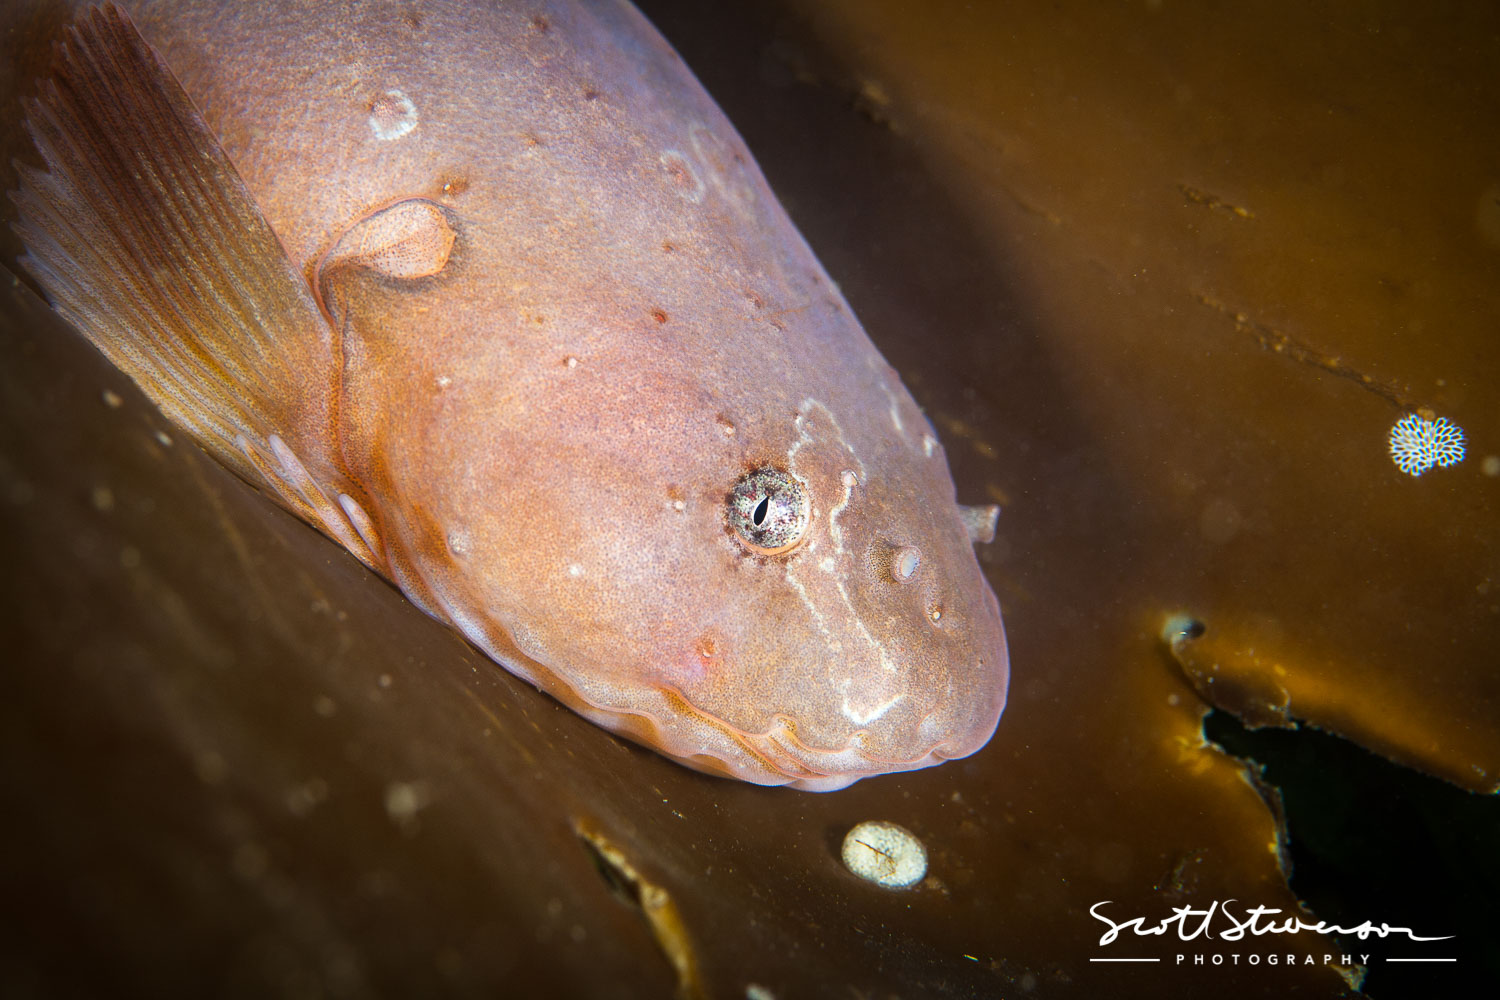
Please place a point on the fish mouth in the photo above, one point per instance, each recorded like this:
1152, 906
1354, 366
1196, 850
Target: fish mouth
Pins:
691, 736
778, 757
664, 719
667, 721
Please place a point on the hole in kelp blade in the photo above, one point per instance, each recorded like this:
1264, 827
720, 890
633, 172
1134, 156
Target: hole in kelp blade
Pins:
1369, 839
627, 884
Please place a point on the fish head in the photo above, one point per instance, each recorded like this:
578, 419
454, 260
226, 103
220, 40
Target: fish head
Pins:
755, 567
567, 374
615, 422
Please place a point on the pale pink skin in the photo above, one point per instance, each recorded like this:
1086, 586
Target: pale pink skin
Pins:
535, 436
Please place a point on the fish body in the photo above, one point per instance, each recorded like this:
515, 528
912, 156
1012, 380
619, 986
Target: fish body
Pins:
495, 296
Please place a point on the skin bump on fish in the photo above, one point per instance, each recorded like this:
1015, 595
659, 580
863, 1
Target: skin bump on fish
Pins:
512, 315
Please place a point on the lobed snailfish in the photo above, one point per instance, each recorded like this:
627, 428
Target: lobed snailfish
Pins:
494, 295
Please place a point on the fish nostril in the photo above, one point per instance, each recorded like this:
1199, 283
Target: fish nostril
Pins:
904, 563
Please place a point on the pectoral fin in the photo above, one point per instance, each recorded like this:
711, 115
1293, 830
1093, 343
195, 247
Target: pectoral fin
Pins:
146, 239
345, 521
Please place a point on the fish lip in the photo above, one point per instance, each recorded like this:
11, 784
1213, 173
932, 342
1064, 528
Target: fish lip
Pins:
773, 757
783, 753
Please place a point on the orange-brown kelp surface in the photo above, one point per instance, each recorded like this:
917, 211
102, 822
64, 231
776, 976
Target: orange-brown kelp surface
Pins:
1164, 280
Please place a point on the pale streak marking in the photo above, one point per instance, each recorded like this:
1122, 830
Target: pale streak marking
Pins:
834, 531
833, 644
864, 718
837, 535
895, 412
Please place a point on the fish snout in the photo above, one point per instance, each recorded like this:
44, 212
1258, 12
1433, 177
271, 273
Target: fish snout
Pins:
895, 738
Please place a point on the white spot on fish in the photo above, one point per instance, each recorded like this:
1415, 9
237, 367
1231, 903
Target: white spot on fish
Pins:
458, 543
575, 570
891, 856
444, 381
392, 115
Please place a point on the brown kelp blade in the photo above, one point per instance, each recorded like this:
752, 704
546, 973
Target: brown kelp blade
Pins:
147, 240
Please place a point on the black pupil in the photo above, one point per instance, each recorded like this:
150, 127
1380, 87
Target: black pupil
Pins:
759, 517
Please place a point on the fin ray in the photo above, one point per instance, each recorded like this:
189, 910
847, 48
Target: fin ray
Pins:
147, 240
344, 522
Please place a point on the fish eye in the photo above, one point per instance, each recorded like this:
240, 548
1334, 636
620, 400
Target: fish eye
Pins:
768, 510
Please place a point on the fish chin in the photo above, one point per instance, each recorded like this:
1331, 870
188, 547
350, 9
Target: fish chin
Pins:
775, 757
817, 770
842, 716
721, 698
665, 720
649, 709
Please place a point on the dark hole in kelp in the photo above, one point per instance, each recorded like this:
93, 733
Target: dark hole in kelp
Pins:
1348, 813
